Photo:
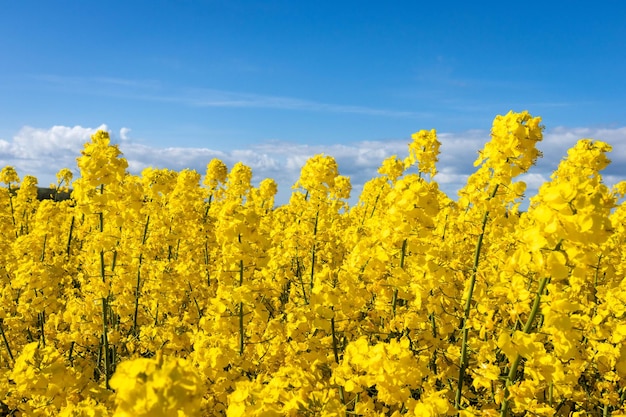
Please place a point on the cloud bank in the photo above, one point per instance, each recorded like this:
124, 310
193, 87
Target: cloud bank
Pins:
42, 152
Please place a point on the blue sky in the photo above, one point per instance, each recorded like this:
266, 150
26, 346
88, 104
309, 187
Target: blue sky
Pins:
273, 82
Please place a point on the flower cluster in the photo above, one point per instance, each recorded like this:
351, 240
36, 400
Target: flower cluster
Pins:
170, 294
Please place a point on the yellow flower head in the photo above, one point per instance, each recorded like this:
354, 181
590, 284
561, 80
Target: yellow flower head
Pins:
64, 176
425, 151
268, 188
216, 172
318, 174
392, 167
8, 175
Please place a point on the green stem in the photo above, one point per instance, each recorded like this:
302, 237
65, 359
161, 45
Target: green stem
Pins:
299, 275
12, 209
114, 260
313, 248
102, 266
137, 286
336, 353
208, 206
6, 342
334, 336
70, 356
394, 300
241, 330
69, 238
194, 300
529, 323
375, 202
105, 344
206, 262
241, 335
595, 283
622, 396
466, 311
43, 250
551, 394
433, 360
42, 320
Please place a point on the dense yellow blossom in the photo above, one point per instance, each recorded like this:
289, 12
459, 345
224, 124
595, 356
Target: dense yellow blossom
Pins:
156, 387
169, 294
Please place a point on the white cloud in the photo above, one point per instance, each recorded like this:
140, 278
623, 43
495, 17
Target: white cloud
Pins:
42, 152
124, 133
32, 143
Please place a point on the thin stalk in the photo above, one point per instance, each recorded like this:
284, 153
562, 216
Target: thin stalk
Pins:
433, 324
241, 332
69, 237
551, 394
12, 209
375, 204
313, 248
114, 260
194, 300
111, 352
336, 353
433, 360
99, 360
105, 340
373, 208
105, 344
299, 275
595, 282
529, 323
70, 357
466, 311
403, 254
42, 319
334, 336
102, 266
6, 342
43, 249
206, 262
208, 206
138, 285
101, 219
394, 300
